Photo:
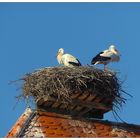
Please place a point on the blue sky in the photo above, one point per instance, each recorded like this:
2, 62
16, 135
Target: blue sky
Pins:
31, 34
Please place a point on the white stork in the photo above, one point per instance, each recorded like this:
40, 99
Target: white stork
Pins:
67, 59
107, 56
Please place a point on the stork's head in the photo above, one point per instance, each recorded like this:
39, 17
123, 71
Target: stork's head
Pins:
60, 51
112, 47
114, 50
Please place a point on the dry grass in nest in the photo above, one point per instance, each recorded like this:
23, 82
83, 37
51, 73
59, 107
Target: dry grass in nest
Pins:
62, 82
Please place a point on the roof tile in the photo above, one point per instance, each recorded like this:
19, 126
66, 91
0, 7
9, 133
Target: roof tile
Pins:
45, 124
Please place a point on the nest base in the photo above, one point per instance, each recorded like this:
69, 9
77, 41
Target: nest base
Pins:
81, 105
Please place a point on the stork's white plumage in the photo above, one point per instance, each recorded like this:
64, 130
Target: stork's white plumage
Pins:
67, 59
107, 56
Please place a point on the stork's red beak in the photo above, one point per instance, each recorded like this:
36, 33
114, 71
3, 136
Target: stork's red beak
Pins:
117, 52
57, 54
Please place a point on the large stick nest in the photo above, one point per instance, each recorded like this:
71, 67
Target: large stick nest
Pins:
62, 82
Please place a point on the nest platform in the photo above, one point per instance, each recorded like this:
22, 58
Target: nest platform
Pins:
78, 92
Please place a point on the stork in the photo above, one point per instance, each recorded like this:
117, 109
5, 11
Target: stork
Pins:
67, 59
107, 56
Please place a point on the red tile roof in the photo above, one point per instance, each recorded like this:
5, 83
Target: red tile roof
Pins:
37, 123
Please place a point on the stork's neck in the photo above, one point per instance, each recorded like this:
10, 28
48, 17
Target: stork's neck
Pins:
59, 56
115, 51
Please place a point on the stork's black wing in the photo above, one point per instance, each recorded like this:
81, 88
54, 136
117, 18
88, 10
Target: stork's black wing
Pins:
98, 57
74, 63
